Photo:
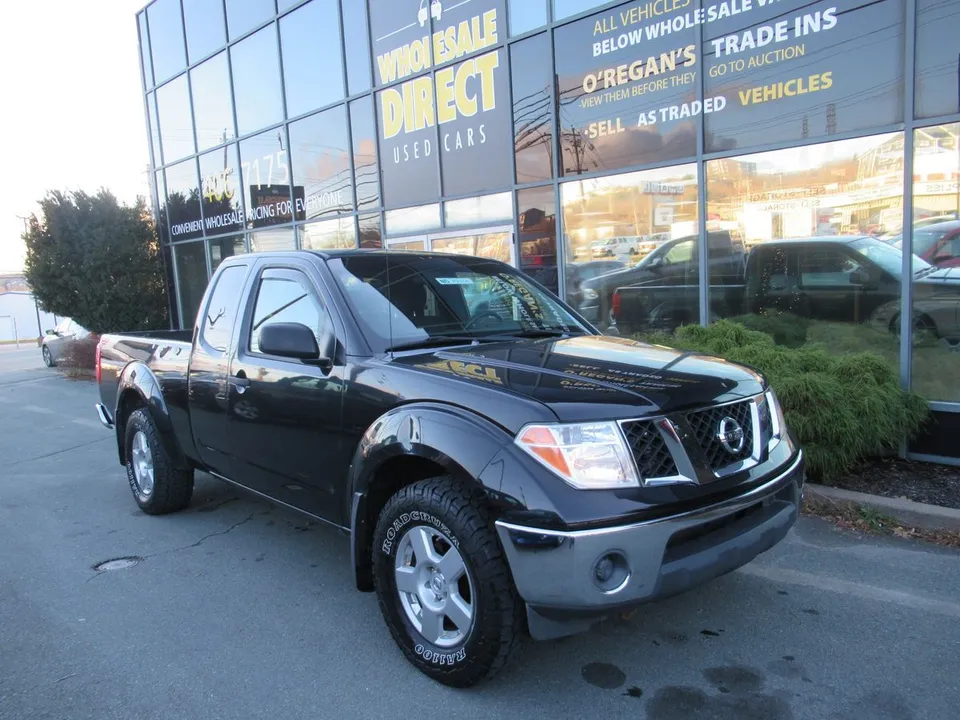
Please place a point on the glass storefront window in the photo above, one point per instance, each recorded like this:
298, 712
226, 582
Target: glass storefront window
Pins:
256, 81
328, 234
321, 164
365, 167
222, 248
802, 241
212, 105
310, 45
146, 62
244, 15
204, 22
412, 219
273, 240
176, 127
792, 70
486, 209
526, 15
532, 108
191, 262
370, 235
220, 191
166, 39
537, 218
936, 242
357, 46
265, 174
936, 53
566, 8
623, 101
183, 201
639, 230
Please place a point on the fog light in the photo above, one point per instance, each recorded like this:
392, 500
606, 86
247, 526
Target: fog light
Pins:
611, 572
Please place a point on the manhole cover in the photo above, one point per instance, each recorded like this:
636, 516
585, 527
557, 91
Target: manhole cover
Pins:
118, 563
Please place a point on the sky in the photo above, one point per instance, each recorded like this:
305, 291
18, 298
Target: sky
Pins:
72, 115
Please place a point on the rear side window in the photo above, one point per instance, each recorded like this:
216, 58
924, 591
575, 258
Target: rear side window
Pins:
217, 325
286, 297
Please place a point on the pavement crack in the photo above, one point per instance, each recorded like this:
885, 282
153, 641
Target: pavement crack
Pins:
55, 452
206, 537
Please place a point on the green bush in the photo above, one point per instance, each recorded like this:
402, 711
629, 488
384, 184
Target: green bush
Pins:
786, 329
842, 408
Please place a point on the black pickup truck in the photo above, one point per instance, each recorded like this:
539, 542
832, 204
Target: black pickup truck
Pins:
498, 465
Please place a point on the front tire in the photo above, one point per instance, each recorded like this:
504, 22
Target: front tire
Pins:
443, 583
158, 485
47, 357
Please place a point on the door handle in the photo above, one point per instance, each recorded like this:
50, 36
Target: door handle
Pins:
240, 382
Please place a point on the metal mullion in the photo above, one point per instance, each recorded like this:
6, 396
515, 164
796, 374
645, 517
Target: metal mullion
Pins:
346, 107
236, 133
906, 287
376, 125
703, 265
284, 131
436, 137
557, 151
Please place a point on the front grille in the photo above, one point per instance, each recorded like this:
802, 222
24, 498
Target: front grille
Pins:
705, 426
650, 452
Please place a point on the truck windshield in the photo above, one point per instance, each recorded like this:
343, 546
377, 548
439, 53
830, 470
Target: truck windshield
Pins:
405, 300
886, 256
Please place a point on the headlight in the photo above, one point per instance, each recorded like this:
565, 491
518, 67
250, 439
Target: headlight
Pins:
778, 426
590, 294
588, 456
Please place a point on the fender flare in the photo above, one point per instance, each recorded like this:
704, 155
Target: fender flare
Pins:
138, 380
456, 439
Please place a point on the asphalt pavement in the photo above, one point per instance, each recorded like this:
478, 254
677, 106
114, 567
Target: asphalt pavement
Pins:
242, 610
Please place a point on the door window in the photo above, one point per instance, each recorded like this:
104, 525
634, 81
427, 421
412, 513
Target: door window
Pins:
286, 297
679, 253
826, 267
217, 327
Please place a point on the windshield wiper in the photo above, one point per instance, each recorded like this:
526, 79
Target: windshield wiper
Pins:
542, 333
437, 341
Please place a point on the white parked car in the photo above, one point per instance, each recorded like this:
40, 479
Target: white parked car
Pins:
57, 342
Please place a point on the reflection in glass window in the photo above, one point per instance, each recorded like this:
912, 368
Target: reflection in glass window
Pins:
806, 237
220, 191
216, 328
609, 103
256, 81
146, 62
936, 84
526, 15
224, 247
176, 127
328, 234
204, 21
490, 209
411, 219
566, 8
166, 39
183, 201
357, 46
212, 106
244, 15
370, 235
638, 230
271, 240
408, 162
191, 265
532, 109
265, 174
283, 299
825, 81
283, 5
310, 42
537, 212
161, 188
936, 242
321, 164
154, 129
365, 165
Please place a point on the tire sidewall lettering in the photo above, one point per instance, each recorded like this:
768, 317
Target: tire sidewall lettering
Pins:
440, 658
401, 522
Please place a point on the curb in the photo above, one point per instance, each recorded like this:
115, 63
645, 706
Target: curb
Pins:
920, 515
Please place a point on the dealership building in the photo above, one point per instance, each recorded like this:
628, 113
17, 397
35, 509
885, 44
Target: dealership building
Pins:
571, 138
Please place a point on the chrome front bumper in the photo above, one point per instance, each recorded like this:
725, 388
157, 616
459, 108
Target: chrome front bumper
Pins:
556, 571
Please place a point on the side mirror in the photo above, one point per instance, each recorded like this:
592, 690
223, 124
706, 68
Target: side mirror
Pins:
50, 332
292, 340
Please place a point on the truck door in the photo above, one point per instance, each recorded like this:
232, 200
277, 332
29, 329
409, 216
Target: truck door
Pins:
826, 280
285, 416
209, 363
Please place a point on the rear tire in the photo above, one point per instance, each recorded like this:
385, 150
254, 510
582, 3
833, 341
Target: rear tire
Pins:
158, 485
459, 575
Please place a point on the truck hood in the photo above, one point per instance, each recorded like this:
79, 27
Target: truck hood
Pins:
595, 377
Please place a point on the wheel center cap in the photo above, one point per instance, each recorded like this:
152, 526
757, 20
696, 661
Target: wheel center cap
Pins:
438, 584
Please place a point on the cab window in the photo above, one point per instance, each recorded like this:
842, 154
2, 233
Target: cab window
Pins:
217, 327
286, 296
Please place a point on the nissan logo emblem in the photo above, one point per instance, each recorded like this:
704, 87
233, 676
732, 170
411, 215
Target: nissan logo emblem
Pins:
731, 435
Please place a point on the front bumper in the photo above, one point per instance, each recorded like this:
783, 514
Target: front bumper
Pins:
555, 571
